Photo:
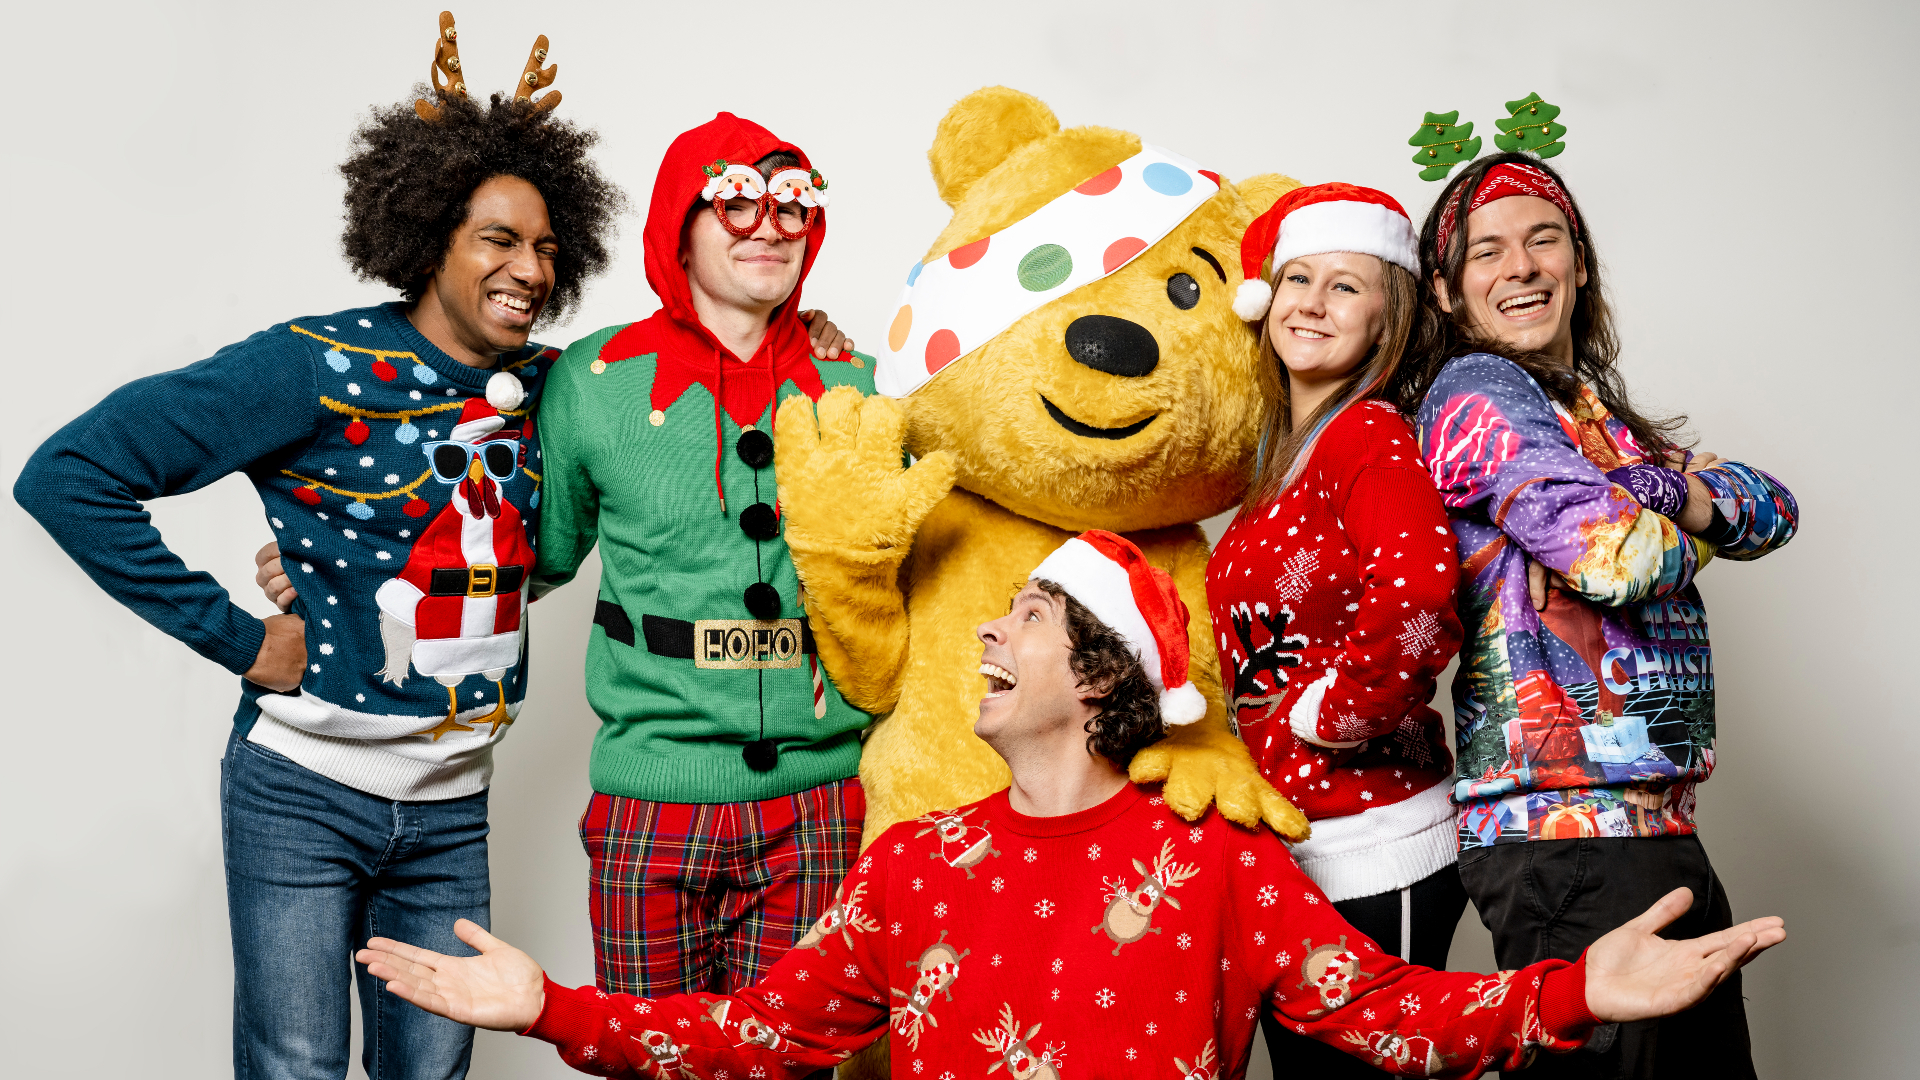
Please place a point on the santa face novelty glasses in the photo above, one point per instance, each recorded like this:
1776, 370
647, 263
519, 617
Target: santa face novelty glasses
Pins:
452, 461
742, 198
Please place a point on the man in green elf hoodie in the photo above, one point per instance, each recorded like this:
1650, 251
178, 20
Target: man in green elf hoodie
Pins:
726, 804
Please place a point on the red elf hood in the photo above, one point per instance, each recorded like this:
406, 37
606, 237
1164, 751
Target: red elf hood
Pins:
688, 352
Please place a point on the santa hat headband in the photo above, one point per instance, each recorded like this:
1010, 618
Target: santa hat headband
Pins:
1316, 220
1138, 601
958, 302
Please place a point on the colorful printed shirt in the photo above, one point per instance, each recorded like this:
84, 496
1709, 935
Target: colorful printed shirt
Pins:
1117, 941
1593, 717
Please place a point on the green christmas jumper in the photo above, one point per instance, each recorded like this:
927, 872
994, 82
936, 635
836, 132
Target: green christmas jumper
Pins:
654, 472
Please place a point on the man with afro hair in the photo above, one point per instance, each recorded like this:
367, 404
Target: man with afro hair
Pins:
393, 450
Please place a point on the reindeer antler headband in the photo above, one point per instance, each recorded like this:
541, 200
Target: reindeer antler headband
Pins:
446, 61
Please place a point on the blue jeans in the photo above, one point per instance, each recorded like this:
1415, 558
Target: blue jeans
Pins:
314, 869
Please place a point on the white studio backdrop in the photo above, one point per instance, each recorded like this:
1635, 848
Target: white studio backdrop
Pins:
173, 188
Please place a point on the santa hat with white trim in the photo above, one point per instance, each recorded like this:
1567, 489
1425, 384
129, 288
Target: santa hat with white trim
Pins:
478, 419
1313, 221
1138, 601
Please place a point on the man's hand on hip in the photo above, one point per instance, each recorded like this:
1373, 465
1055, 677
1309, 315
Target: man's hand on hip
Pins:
283, 655
272, 577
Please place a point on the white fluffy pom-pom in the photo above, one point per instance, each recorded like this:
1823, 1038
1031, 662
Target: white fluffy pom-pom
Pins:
504, 391
1252, 300
1181, 705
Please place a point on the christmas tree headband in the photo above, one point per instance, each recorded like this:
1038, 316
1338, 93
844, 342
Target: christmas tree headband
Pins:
1529, 127
958, 302
446, 61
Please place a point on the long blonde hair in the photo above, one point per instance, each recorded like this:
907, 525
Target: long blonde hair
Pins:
1286, 445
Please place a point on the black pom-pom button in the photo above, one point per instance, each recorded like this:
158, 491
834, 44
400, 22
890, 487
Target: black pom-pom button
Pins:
759, 522
763, 601
755, 448
761, 754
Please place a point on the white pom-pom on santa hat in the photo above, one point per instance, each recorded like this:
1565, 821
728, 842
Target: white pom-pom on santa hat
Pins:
478, 419
1138, 601
504, 391
1316, 220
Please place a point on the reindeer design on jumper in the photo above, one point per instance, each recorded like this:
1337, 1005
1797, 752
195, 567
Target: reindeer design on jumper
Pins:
955, 833
1329, 970
938, 967
1281, 651
1490, 992
1015, 1053
1129, 914
844, 917
749, 1031
663, 1056
1407, 1054
1203, 1067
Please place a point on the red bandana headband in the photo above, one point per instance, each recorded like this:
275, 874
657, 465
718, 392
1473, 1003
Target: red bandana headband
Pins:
1501, 181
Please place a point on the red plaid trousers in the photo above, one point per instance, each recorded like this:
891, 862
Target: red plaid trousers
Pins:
704, 897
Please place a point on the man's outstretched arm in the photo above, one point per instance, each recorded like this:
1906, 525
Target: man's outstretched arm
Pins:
822, 1002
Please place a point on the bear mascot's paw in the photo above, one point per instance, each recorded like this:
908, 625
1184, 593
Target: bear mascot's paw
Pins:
853, 507
1201, 764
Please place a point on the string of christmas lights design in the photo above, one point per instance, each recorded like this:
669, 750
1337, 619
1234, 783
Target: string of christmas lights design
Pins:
405, 432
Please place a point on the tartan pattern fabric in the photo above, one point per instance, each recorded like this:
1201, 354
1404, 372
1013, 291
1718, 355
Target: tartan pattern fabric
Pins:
692, 897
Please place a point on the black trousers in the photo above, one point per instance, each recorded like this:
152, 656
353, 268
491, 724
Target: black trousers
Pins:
1550, 899
1432, 910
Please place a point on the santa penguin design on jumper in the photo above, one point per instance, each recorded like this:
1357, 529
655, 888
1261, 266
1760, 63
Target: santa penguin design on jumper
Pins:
457, 607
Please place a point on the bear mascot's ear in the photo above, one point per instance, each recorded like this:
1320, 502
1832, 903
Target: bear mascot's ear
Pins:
1261, 192
982, 130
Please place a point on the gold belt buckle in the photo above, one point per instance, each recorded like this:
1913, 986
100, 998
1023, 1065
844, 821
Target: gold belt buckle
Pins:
482, 579
736, 644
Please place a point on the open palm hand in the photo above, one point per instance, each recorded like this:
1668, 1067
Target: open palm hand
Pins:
1634, 974
501, 989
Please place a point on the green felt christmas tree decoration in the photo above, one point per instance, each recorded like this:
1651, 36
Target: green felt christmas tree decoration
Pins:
1443, 145
1530, 127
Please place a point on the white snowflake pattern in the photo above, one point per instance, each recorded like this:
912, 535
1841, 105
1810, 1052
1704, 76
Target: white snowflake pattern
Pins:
1473, 1040
1225, 963
684, 1022
613, 1023
776, 1001
866, 864
803, 975
1057, 965
898, 848
1154, 801
918, 884
1105, 998
851, 971
1157, 825
895, 929
1366, 1014
1044, 909
1259, 937
1056, 993
940, 910
644, 1007
996, 961
1418, 634
1311, 899
1179, 997
1282, 958
832, 1005
919, 1066
999, 883
590, 1052
1296, 575
1268, 896
1410, 1003
1152, 1028
1030, 855
1093, 851
1246, 858
1184, 941
1194, 834
1131, 1053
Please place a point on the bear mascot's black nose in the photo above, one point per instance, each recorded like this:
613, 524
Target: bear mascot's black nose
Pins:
1115, 346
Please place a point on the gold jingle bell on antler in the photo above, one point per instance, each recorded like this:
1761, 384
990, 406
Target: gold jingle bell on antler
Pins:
446, 62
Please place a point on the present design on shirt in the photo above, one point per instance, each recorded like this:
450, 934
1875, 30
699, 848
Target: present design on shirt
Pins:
458, 606
1617, 740
1281, 651
844, 917
1329, 971
1412, 1054
1202, 1067
1015, 1050
938, 967
956, 833
1129, 914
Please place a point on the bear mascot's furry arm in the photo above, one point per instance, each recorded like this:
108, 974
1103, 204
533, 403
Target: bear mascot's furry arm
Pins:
1144, 428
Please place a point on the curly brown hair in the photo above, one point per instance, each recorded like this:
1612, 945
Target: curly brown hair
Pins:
409, 182
1129, 718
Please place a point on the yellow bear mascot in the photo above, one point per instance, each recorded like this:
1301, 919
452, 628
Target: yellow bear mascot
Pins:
1067, 358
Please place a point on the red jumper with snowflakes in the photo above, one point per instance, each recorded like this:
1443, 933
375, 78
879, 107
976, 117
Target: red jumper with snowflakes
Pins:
1117, 941
1334, 610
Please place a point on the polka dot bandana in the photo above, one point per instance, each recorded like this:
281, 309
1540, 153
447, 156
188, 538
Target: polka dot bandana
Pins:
963, 299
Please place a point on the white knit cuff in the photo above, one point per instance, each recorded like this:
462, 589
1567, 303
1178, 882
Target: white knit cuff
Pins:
1305, 717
